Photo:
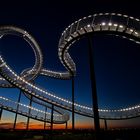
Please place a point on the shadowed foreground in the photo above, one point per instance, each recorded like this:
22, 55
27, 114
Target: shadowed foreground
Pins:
123, 134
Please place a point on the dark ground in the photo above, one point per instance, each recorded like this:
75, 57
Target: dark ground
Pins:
118, 134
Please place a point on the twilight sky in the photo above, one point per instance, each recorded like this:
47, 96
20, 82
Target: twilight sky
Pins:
117, 61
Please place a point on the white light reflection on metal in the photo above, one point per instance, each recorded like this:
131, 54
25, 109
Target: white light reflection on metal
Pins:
103, 24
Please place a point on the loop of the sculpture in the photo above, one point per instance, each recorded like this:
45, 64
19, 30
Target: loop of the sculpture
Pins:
117, 24
11, 30
31, 73
109, 23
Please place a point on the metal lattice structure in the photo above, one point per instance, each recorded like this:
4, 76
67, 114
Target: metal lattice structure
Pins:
108, 23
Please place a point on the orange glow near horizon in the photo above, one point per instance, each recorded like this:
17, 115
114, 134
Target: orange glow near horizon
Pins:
22, 125
40, 125
80, 123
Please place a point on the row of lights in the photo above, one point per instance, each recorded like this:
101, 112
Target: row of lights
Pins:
64, 100
54, 95
100, 14
103, 24
81, 106
115, 25
38, 110
11, 29
91, 108
17, 77
112, 111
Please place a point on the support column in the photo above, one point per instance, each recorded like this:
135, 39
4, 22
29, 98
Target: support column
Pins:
19, 97
93, 88
45, 118
1, 113
29, 112
105, 121
66, 126
73, 119
52, 117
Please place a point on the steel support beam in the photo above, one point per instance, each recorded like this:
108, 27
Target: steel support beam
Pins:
73, 119
19, 97
66, 126
1, 113
29, 112
52, 111
93, 89
105, 121
45, 118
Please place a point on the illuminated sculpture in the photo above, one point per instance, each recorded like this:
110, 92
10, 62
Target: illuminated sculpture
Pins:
108, 23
